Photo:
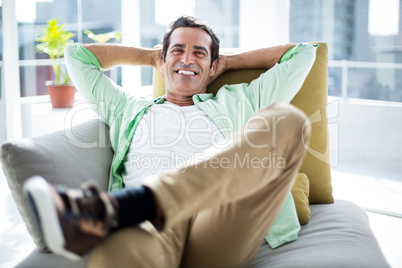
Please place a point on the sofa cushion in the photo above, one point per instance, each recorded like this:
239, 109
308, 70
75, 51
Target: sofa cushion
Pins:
52, 157
300, 193
338, 235
312, 99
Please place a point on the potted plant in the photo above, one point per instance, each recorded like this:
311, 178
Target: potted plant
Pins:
52, 40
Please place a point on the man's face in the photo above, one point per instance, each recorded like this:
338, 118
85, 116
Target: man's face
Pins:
186, 69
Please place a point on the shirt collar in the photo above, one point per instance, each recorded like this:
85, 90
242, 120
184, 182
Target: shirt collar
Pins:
202, 97
197, 98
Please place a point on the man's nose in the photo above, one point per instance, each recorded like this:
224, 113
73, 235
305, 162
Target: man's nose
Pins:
187, 58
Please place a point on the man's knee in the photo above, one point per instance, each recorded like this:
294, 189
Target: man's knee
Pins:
286, 112
298, 122
281, 121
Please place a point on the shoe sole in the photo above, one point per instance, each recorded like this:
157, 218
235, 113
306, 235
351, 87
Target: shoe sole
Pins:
39, 197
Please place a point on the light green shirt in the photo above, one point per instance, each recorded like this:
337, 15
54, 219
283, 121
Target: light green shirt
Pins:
229, 109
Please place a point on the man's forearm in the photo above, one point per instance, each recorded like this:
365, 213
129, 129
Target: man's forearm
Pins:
110, 55
260, 58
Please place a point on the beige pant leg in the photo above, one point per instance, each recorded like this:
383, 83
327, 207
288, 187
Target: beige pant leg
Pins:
141, 246
231, 234
238, 170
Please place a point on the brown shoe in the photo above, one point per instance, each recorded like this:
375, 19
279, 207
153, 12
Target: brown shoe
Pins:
71, 221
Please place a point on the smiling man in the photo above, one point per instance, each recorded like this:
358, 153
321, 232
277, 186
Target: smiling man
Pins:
188, 65
216, 209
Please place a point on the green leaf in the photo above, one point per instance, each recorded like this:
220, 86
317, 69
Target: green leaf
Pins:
52, 40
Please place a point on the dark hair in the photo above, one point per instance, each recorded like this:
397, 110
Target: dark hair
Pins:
191, 22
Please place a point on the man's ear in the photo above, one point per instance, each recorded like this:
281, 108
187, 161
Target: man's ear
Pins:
213, 67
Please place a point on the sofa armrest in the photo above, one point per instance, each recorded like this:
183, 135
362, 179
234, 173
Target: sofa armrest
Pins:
67, 157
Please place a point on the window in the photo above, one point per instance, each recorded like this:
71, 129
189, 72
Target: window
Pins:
363, 39
77, 16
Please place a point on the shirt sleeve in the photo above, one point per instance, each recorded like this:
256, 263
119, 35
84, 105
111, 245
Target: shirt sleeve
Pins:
87, 75
282, 82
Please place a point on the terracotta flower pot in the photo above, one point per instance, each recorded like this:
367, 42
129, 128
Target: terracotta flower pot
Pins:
61, 96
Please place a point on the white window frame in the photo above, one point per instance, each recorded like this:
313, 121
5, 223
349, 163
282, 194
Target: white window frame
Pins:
10, 71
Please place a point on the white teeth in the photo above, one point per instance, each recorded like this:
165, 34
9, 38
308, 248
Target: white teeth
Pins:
186, 72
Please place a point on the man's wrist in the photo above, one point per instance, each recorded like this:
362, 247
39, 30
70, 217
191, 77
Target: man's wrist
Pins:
156, 57
232, 62
258, 58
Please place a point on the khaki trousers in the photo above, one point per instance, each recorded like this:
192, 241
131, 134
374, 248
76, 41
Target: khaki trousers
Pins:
217, 211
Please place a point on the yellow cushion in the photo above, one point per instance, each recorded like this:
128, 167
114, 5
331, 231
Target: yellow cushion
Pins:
312, 99
300, 193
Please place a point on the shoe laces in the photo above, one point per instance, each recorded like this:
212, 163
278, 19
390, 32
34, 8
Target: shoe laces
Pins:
91, 209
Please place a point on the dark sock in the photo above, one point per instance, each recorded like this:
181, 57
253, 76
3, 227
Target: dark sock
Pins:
135, 206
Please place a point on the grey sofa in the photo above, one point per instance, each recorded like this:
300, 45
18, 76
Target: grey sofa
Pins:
337, 235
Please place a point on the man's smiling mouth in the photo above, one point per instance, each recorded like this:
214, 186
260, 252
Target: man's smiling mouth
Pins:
186, 72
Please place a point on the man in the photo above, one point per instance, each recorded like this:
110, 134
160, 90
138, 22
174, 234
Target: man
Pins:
213, 212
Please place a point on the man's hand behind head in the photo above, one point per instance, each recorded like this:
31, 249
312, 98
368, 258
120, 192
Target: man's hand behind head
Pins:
220, 68
158, 60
